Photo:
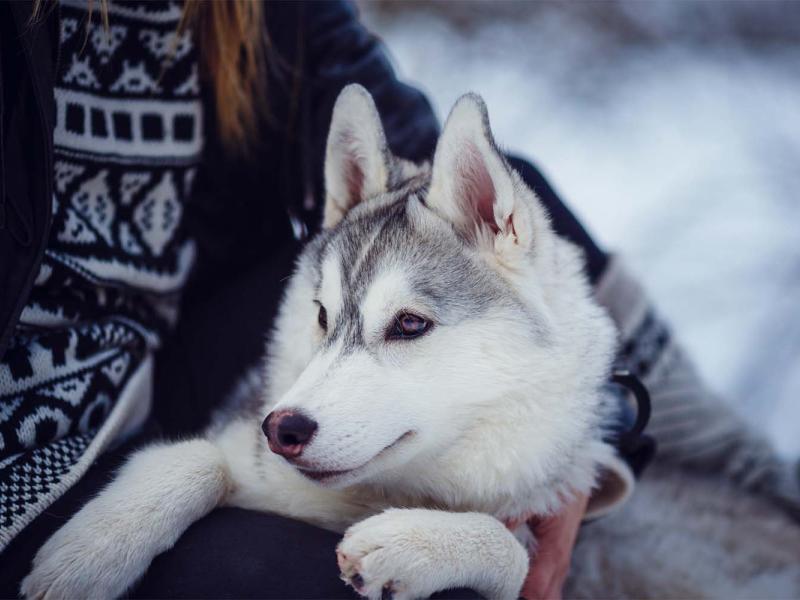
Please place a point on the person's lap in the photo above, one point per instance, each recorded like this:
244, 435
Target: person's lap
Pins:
236, 553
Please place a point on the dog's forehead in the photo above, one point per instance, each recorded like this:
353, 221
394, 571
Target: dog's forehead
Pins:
394, 240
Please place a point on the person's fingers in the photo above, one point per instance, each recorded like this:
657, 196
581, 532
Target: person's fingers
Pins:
545, 581
550, 565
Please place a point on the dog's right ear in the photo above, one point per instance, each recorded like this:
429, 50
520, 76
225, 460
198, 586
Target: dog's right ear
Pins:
474, 189
357, 157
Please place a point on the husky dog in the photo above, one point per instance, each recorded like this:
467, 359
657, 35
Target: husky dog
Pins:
437, 349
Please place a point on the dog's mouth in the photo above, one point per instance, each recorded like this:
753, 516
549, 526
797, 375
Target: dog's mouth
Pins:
328, 476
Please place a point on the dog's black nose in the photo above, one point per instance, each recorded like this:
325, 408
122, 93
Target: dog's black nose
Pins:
288, 432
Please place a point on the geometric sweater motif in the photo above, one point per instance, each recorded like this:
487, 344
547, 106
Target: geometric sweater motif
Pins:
128, 138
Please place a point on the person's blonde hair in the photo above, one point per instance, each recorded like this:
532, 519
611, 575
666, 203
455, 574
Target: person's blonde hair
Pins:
232, 57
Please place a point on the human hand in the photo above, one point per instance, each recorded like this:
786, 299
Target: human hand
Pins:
550, 565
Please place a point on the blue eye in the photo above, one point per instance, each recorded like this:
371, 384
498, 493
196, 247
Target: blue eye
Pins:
408, 326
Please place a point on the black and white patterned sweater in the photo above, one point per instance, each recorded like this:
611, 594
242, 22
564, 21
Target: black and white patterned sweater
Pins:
78, 374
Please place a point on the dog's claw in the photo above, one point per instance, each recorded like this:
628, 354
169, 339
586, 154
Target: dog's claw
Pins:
357, 581
387, 593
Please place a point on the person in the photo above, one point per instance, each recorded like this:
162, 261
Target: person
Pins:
160, 164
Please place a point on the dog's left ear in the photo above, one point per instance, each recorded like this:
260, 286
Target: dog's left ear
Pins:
357, 157
474, 188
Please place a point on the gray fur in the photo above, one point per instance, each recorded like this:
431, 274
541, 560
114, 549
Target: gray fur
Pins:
382, 231
686, 535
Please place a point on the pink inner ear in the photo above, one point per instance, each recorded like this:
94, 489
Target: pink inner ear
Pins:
354, 176
352, 167
477, 189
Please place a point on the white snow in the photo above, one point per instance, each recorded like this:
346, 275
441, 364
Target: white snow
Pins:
685, 159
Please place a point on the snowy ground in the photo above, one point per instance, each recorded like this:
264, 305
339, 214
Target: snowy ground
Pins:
684, 157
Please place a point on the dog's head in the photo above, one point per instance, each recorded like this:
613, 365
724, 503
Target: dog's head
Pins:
437, 315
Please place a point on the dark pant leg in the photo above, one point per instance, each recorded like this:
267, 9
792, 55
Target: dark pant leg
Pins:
235, 553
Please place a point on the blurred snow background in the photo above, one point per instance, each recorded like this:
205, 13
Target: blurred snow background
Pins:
673, 130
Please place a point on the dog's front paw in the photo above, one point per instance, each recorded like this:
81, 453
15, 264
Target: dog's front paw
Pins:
381, 557
82, 560
412, 553
406, 553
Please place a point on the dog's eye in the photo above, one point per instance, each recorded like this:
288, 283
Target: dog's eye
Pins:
408, 326
322, 318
